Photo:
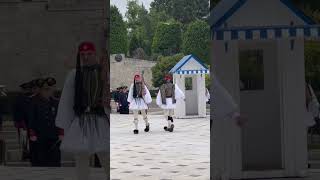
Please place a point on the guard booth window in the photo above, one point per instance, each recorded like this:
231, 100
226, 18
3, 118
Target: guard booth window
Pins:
188, 83
251, 70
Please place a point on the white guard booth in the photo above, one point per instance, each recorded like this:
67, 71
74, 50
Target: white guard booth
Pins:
258, 56
189, 74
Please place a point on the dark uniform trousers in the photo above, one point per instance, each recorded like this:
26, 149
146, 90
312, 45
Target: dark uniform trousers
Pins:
45, 151
124, 104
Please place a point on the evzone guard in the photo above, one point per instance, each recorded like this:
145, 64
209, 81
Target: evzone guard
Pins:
139, 97
167, 98
82, 111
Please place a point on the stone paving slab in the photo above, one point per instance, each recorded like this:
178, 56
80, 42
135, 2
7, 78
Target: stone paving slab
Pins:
158, 155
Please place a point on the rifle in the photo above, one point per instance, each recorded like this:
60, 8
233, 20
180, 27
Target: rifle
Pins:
142, 74
143, 82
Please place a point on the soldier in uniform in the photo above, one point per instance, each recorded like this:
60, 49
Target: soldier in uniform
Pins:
139, 97
35, 89
21, 103
44, 135
123, 101
21, 110
116, 98
167, 98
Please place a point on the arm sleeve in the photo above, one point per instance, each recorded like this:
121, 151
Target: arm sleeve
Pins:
159, 100
147, 97
66, 114
130, 95
178, 92
223, 103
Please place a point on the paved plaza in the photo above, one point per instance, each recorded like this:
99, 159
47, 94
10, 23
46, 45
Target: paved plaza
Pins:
181, 155
157, 155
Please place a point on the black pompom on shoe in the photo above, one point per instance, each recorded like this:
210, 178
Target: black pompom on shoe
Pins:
136, 131
165, 128
147, 128
171, 128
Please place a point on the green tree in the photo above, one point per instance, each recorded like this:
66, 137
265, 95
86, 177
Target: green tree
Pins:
213, 3
312, 63
163, 66
310, 8
139, 25
118, 32
135, 43
132, 14
183, 11
196, 40
145, 30
167, 38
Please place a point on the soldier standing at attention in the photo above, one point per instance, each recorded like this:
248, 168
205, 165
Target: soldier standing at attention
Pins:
45, 137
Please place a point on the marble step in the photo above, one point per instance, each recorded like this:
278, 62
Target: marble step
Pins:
314, 155
15, 155
314, 164
27, 164
12, 144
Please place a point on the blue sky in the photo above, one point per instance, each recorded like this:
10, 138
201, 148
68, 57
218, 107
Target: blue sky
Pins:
122, 5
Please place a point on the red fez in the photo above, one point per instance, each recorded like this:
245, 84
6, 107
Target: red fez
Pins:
87, 46
137, 77
167, 77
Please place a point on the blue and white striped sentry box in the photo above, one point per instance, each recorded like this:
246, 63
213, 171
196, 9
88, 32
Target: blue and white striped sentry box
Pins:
272, 32
190, 64
205, 71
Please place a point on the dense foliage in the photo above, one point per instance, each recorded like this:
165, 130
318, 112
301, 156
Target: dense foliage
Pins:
196, 40
118, 32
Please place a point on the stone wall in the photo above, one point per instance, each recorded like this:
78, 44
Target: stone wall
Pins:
122, 73
40, 37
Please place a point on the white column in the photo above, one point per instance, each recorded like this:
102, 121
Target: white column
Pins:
201, 95
226, 133
294, 110
180, 110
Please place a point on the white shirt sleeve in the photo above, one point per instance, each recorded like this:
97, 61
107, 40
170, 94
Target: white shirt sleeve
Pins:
178, 93
223, 103
66, 114
147, 97
313, 106
130, 94
159, 100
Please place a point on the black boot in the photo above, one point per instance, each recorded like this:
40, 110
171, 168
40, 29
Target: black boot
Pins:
136, 131
147, 128
171, 128
165, 128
